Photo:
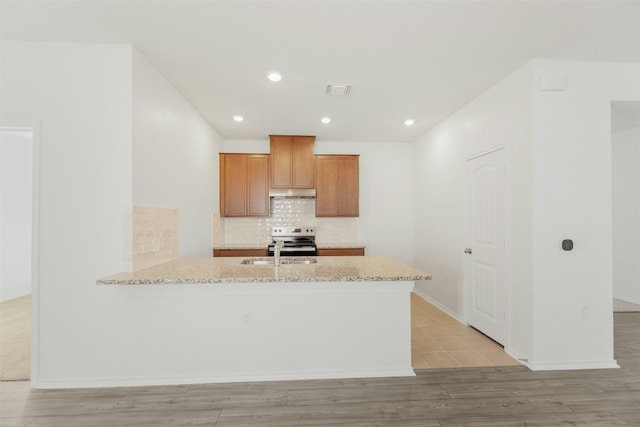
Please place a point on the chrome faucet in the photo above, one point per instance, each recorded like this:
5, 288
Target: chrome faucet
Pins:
276, 252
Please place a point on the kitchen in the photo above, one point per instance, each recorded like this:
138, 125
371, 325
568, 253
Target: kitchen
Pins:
290, 186
403, 213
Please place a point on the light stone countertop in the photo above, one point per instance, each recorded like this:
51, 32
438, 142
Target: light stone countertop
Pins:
249, 246
339, 245
229, 270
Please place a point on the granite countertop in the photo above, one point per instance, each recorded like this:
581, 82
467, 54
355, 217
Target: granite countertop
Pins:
249, 246
339, 245
229, 270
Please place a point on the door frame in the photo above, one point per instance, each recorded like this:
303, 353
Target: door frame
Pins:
507, 232
33, 126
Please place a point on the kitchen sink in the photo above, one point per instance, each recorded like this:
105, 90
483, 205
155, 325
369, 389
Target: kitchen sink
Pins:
283, 261
298, 260
257, 261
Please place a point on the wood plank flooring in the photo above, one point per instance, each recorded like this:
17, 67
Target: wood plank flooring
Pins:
440, 341
484, 396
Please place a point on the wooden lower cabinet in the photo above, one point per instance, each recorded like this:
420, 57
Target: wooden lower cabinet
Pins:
239, 252
341, 252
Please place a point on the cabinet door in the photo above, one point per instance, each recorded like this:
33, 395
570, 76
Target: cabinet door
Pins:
244, 184
281, 161
337, 185
257, 185
303, 165
349, 189
292, 161
326, 186
341, 252
239, 252
233, 184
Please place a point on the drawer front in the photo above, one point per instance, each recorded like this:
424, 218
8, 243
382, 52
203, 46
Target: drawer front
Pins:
341, 252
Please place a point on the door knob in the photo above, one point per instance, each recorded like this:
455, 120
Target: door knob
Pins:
468, 251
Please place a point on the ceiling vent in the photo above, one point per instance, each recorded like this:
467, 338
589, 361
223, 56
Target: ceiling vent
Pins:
338, 90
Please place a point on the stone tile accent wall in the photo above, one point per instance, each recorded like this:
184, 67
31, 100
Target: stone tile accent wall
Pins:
257, 230
155, 236
128, 238
336, 230
218, 230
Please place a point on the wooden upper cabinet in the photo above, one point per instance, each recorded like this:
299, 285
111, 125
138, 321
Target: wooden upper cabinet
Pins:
292, 161
337, 185
257, 185
326, 186
304, 162
233, 184
244, 184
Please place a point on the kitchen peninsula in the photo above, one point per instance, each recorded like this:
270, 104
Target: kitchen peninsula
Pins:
339, 317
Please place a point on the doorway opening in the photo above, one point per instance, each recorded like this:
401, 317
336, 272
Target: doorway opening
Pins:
625, 181
17, 223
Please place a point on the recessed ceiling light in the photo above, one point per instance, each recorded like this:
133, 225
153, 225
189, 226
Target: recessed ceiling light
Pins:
238, 118
275, 76
325, 120
409, 122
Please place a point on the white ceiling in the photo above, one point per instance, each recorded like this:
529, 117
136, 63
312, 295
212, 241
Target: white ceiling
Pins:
405, 59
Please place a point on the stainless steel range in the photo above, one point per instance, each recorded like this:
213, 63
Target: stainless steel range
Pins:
296, 241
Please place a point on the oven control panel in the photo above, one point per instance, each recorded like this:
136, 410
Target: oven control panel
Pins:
292, 231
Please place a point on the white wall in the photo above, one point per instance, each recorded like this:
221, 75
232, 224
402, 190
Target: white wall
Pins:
16, 150
572, 198
81, 97
625, 147
175, 157
385, 224
500, 117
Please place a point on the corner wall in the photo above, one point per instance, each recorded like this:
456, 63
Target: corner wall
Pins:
572, 199
175, 158
81, 96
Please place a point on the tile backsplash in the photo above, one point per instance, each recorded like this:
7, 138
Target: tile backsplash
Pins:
154, 236
257, 230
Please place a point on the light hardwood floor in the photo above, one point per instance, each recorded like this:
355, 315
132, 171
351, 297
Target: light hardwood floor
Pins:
15, 338
486, 396
440, 341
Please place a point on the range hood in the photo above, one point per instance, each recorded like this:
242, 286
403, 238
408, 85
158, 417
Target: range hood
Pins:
292, 192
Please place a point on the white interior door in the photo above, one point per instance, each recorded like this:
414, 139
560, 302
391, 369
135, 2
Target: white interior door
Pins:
485, 245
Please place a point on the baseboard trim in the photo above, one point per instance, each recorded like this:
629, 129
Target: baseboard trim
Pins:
522, 359
572, 366
626, 299
216, 379
440, 306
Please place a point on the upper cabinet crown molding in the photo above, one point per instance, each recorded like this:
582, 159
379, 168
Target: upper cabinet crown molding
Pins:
292, 161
